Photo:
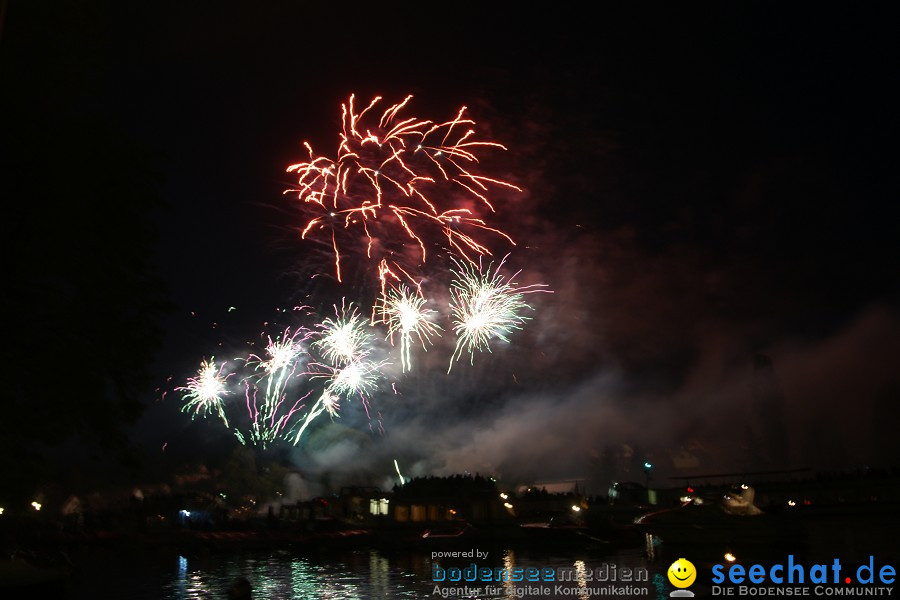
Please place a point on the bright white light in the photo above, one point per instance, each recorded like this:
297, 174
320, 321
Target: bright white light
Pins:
36, 505
504, 496
507, 505
576, 508
730, 557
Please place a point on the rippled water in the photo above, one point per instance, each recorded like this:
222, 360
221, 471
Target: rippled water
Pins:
366, 573
347, 575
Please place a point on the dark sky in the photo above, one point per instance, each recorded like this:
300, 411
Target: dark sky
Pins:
702, 186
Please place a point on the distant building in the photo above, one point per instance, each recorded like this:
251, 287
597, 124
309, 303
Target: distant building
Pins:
434, 499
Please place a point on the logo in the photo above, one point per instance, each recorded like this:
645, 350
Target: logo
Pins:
682, 574
830, 578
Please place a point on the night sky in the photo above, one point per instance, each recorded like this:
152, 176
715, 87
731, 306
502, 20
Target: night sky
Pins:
711, 193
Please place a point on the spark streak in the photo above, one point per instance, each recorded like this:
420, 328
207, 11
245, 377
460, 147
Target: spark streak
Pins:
270, 417
327, 402
395, 183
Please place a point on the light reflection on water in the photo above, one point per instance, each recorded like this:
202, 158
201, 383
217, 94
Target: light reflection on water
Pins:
281, 575
351, 575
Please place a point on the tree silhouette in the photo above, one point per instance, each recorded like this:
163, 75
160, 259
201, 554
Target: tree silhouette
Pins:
78, 239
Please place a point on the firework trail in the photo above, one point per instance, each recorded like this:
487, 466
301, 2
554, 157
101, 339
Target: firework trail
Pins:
281, 357
204, 391
270, 416
404, 314
389, 186
399, 474
327, 402
484, 305
268, 421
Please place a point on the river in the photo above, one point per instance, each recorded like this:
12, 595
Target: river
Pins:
371, 573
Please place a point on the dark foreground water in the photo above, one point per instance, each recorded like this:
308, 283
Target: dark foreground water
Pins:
361, 574
598, 570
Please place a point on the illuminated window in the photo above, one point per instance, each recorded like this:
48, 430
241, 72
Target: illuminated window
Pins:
378, 507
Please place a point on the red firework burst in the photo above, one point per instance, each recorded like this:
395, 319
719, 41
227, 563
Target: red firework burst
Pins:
395, 184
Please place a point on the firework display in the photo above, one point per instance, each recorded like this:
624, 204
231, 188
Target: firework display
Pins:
328, 362
398, 188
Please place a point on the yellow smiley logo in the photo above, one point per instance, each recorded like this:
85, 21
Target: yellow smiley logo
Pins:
682, 573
